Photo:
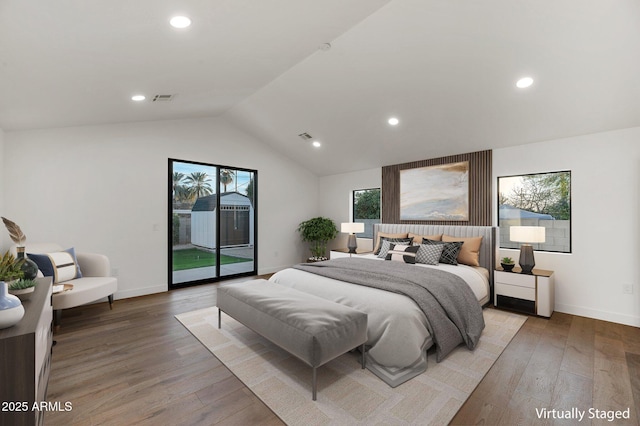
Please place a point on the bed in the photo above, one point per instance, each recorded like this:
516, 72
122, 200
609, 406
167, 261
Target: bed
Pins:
399, 332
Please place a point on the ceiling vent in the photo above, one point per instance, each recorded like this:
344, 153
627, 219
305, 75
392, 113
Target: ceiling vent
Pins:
162, 98
305, 136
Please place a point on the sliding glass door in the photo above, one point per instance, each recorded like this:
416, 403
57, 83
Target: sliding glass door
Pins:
212, 218
237, 222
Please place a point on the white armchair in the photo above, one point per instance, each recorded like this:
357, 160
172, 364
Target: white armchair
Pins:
96, 282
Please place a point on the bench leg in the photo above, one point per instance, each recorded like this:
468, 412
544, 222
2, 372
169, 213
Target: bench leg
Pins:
314, 384
219, 318
110, 297
364, 362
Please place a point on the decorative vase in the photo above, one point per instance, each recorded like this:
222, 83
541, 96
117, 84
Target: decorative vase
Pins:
29, 267
11, 310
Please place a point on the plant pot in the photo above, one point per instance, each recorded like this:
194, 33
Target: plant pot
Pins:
508, 267
29, 267
23, 293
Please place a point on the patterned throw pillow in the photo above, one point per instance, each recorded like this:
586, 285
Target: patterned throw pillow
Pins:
382, 235
449, 250
62, 265
402, 253
385, 244
429, 254
470, 251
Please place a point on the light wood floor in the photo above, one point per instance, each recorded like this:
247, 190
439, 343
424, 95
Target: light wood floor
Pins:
138, 365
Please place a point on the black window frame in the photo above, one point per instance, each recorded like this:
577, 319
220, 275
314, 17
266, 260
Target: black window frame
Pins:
538, 247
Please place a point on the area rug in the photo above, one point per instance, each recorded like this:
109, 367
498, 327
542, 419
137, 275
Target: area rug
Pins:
346, 393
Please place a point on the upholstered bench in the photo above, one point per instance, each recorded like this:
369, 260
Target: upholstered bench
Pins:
313, 329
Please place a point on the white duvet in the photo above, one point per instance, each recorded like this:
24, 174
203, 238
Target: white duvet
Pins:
398, 333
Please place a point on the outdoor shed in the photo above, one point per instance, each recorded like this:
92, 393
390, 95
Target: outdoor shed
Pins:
236, 221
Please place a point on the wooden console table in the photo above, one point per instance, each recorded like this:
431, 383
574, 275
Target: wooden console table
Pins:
25, 359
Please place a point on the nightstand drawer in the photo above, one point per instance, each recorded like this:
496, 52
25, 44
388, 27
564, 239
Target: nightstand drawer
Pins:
519, 280
515, 291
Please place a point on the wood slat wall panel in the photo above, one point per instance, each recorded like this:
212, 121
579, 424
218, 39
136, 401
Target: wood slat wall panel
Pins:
480, 180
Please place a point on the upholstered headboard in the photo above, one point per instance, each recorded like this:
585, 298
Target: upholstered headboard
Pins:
488, 250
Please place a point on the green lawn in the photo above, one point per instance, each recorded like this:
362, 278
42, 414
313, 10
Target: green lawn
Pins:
195, 258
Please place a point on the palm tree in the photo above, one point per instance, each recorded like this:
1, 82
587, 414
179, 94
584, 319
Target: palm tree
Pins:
226, 177
179, 191
199, 184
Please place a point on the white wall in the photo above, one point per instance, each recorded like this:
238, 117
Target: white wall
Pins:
335, 199
105, 188
605, 195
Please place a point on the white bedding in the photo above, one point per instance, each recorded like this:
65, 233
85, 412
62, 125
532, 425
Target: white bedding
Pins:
398, 334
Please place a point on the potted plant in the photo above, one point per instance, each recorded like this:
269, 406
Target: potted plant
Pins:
507, 264
23, 288
10, 268
318, 231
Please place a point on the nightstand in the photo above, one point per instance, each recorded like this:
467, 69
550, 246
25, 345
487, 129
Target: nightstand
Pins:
531, 294
336, 253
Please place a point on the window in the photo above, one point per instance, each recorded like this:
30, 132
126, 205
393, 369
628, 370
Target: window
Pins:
212, 220
542, 199
366, 209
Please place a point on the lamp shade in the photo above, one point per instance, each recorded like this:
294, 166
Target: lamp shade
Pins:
527, 234
352, 227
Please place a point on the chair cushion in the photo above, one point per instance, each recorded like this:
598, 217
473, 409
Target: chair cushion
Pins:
61, 265
85, 290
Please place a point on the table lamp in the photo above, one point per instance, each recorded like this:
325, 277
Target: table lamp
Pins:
527, 235
352, 228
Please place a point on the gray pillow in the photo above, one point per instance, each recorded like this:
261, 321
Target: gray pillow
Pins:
429, 254
450, 250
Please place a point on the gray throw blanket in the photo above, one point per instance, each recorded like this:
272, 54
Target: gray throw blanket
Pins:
452, 310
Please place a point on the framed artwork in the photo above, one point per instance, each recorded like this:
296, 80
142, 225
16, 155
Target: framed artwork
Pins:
438, 193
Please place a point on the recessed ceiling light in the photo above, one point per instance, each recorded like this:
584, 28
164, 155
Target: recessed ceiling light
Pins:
524, 82
138, 98
393, 121
180, 22
316, 144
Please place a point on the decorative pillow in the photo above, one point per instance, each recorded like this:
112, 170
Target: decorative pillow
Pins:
402, 253
386, 245
449, 250
381, 235
417, 239
429, 254
62, 265
470, 251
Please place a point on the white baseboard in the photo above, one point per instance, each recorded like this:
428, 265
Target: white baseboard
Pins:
126, 294
598, 314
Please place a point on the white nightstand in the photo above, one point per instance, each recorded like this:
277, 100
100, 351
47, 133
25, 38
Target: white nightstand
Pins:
532, 294
336, 253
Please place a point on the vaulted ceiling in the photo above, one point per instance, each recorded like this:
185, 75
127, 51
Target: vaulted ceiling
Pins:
445, 68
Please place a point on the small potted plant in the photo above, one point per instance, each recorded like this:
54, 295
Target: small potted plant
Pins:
10, 268
23, 288
318, 232
507, 264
